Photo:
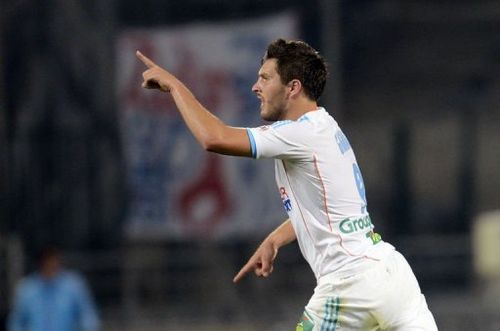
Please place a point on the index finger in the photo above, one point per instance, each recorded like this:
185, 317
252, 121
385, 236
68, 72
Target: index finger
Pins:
246, 268
147, 61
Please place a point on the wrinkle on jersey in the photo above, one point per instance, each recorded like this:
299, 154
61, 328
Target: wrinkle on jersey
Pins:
324, 193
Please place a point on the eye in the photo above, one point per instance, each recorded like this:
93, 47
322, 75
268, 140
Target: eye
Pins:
263, 74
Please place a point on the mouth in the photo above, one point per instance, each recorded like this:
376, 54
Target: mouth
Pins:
261, 100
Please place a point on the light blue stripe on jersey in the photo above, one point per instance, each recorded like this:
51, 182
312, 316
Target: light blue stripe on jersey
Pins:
280, 123
285, 122
303, 118
252, 143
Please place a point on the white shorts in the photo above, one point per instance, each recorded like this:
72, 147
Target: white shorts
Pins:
384, 297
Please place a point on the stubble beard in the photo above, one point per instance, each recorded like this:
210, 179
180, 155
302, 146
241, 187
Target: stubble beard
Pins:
274, 113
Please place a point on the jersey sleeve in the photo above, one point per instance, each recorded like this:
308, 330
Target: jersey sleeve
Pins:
282, 140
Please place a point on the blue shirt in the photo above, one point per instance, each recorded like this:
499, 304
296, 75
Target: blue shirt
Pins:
62, 303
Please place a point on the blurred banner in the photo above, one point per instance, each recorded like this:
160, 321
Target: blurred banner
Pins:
176, 189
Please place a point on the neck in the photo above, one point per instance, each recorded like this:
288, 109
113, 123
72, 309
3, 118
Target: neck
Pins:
299, 108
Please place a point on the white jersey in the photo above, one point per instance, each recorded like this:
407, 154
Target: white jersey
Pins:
322, 191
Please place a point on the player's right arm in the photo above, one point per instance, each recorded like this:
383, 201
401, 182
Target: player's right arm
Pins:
261, 262
18, 316
212, 134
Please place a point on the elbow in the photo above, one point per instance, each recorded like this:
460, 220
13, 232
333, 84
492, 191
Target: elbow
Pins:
216, 140
212, 144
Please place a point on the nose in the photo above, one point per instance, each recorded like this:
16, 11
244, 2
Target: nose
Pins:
255, 87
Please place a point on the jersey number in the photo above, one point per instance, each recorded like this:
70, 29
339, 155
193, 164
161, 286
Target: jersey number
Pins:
359, 184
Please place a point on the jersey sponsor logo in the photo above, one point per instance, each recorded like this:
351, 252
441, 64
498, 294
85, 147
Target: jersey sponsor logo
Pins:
375, 237
354, 225
287, 203
342, 141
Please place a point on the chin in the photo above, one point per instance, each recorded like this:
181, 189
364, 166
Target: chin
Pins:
264, 115
272, 115
267, 118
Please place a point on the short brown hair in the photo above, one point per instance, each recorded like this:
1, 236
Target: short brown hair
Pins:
297, 60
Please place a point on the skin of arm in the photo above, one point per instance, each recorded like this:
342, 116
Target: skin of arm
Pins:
212, 134
261, 262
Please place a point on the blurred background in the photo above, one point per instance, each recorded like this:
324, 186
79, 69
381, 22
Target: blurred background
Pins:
158, 227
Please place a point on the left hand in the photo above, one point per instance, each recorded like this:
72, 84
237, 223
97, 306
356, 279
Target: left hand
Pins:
261, 262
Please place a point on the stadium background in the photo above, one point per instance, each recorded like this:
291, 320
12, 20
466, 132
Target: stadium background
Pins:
415, 85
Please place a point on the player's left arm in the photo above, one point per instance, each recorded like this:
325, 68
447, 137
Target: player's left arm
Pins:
212, 134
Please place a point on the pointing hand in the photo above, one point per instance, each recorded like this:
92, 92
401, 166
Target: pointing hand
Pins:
155, 77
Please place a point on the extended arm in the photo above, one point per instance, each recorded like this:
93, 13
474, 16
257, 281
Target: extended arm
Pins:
212, 134
261, 262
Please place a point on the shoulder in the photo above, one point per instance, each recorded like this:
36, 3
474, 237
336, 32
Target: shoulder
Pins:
28, 286
30, 281
72, 278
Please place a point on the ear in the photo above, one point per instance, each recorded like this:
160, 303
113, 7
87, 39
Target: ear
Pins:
295, 87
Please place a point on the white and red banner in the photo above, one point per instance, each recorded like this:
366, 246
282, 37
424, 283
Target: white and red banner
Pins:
176, 189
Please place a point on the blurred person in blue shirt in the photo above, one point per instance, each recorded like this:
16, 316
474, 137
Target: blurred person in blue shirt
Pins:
53, 299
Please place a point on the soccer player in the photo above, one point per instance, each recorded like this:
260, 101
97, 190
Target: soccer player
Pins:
363, 283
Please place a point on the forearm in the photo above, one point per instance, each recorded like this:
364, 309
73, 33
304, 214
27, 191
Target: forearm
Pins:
212, 134
205, 126
282, 235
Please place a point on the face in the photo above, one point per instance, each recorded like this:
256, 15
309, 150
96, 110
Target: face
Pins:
271, 92
50, 266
